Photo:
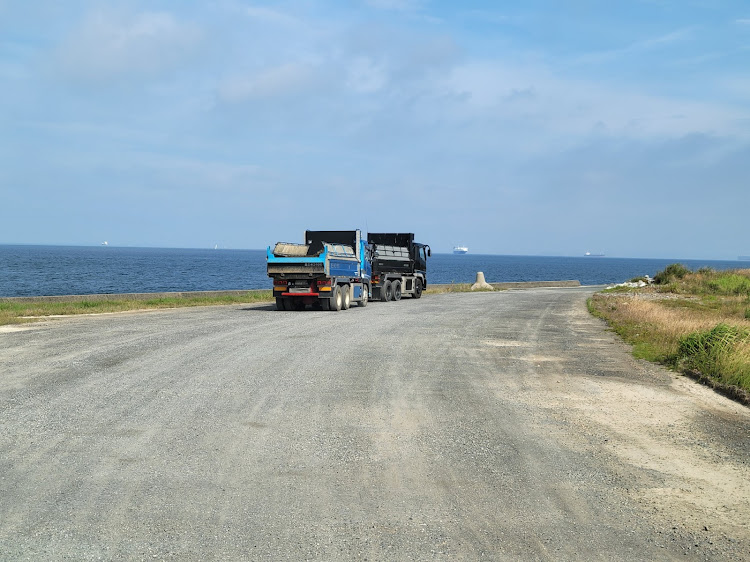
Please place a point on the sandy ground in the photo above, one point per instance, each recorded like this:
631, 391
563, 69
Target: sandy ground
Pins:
692, 443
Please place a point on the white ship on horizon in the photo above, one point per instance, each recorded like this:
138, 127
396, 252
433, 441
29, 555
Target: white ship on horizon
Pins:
460, 250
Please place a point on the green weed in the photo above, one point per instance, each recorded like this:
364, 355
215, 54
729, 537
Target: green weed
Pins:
720, 353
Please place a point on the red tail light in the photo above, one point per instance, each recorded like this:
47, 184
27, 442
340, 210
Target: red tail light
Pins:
279, 282
322, 282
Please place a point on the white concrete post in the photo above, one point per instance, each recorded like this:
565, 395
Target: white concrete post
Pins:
481, 283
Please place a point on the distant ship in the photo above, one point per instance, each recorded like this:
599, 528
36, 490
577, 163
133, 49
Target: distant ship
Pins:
460, 250
105, 243
590, 255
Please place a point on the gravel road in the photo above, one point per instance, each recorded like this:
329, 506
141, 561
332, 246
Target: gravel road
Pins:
487, 426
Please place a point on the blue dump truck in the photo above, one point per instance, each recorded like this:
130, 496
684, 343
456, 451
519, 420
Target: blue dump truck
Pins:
331, 270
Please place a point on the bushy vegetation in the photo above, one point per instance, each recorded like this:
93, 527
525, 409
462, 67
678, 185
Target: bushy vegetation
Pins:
691, 321
676, 278
671, 273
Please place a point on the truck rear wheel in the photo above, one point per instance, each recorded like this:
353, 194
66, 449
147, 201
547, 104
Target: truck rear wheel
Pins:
365, 295
346, 297
397, 290
417, 288
335, 302
387, 291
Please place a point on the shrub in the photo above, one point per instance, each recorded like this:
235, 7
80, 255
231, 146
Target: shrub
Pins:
709, 351
671, 272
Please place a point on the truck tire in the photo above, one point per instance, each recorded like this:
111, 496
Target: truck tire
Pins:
280, 303
397, 290
365, 295
417, 288
386, 293
346, 297
335, 303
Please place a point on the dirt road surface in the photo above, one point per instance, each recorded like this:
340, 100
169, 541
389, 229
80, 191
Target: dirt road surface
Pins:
491, 426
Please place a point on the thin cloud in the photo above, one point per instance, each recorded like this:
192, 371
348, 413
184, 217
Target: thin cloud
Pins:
559, 107
366, 75
642, 46
396, 5
267, 15
487, 16
108, 45
291, 79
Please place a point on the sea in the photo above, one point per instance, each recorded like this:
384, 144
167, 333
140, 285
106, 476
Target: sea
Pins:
28, 271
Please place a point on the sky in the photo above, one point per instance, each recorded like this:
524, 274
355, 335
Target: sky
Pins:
544, 127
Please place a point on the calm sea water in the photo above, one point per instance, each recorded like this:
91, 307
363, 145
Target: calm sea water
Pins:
66, 270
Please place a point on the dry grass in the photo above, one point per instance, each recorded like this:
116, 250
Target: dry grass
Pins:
452, 288
671, 318
664, 322
14, 312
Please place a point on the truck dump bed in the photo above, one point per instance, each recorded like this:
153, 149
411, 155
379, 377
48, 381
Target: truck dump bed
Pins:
403, 239
392, 252
287, 250
395, 253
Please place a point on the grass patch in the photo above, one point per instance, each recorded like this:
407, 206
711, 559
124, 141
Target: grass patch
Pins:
15, 312
452, 288
733, 284
722, 352
690, 321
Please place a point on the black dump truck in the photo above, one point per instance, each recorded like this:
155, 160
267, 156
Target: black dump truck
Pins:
399, 265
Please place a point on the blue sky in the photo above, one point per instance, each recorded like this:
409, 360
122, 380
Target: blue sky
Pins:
539, 127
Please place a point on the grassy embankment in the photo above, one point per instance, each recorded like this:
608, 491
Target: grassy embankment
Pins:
35, 310
697, 323
19, 312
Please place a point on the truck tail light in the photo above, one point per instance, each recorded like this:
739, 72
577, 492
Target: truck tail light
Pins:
322, 282
279, 282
